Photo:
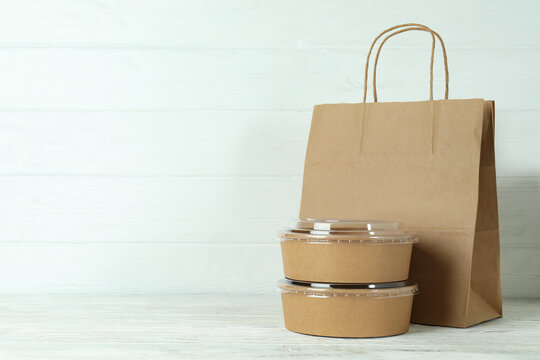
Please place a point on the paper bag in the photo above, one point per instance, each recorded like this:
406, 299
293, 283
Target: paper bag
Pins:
429, 165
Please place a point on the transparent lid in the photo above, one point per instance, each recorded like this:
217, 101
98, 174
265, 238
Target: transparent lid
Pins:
381, 290
371, 231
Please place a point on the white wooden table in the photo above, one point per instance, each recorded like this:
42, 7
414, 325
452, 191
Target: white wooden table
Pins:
232, 327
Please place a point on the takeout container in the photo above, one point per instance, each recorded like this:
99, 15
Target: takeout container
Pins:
332, 251
340, 310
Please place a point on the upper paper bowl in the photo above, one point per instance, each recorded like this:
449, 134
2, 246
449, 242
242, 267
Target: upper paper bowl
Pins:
346, 251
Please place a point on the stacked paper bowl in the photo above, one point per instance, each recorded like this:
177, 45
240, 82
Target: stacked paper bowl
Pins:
347, 278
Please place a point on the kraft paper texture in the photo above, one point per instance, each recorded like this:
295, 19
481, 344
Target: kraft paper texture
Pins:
429, 165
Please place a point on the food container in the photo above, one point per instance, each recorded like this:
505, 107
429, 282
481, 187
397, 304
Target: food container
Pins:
332, 251
344, 310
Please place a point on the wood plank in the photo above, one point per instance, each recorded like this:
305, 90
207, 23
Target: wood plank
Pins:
227, 210
155, 143
242, 23
245, 79
136, 268
519, 206
184, 268
147, 145
146, 209
231, 327
516, 143
521, 285
199, 143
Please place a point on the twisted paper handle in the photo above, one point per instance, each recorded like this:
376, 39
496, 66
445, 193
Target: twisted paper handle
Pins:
408, 27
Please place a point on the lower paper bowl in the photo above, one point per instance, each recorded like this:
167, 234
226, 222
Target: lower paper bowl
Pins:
347, 310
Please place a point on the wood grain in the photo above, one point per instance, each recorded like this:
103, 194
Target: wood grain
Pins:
158, 146
199, 143
183, 268
247, 79
275, 24
226, 210
154, 143
232, 327
212, 210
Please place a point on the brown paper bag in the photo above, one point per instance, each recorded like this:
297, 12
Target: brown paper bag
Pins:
429, 165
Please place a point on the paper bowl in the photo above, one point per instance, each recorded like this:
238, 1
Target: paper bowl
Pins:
339, 310
346, 251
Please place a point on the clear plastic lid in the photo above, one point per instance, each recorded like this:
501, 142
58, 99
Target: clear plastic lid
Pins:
368, 231
381, 290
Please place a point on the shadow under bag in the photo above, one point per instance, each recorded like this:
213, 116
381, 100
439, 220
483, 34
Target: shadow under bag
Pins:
429, 165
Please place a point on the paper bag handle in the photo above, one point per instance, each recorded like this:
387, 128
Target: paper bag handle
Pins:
431, 68
408, 27
379, 36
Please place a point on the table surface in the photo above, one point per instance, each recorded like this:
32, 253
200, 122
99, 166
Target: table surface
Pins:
232, 327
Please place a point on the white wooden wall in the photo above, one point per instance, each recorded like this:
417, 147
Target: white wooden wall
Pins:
157, 146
